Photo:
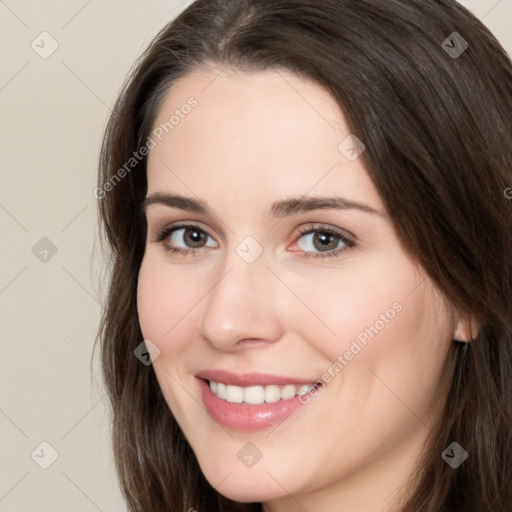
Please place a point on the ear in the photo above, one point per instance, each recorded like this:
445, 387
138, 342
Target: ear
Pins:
466, 329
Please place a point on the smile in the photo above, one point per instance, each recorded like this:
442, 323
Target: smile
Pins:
249, 402
256, 395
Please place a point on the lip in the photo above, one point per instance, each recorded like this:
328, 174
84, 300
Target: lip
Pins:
250, 379
247, 417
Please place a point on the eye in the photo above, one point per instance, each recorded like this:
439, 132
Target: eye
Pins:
191, 237
314, 242
184, 239
323, 241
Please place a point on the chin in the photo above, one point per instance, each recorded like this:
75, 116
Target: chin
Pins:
244, 485
244, 491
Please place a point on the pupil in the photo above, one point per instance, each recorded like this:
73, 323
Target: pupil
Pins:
324, 241
195, 238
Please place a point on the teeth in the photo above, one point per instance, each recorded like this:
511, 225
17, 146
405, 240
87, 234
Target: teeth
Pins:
221, 390
234, 394
273, 394
303, 390
253, 395
257, 395
288, 391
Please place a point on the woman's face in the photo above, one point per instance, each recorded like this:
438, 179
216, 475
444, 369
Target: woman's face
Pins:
290, 270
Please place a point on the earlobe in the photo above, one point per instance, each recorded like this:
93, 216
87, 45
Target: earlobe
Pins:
460, 337
466, 330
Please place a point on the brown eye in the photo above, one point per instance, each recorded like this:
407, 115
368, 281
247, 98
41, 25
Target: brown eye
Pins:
321, 240
324, 241
184, 238
193, 237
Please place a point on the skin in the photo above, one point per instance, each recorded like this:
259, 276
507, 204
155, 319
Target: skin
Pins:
256, 138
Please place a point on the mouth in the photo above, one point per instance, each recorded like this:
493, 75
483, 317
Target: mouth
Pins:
256, 395
264, 401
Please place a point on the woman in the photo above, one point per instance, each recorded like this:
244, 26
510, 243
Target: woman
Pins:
306, 205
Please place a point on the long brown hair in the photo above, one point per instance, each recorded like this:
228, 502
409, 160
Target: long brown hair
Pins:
434, 110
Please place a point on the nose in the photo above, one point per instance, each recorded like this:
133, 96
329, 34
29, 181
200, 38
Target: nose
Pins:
242, 307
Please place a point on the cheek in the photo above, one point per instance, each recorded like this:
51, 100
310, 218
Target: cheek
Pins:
165, 305
164, 298
393, 345
375, 321
358, 302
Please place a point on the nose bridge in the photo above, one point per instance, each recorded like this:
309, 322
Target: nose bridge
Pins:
240, 303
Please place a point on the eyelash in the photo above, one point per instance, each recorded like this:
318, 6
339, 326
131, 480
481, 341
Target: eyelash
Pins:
349, 244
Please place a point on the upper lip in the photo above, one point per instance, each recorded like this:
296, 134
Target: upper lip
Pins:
250, 379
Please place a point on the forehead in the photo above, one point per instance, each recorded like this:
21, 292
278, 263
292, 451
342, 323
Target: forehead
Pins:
258, 135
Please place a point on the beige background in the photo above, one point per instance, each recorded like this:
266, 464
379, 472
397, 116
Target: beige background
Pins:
53, 112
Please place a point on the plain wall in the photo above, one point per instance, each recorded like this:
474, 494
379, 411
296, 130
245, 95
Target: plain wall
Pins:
53, 113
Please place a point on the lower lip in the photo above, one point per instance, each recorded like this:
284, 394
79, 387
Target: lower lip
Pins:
247, 417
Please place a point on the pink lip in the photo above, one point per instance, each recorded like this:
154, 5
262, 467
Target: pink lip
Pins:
247, 417
250, 379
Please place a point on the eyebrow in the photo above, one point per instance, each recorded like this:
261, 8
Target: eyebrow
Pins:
174, 201
296, 205
279, 209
